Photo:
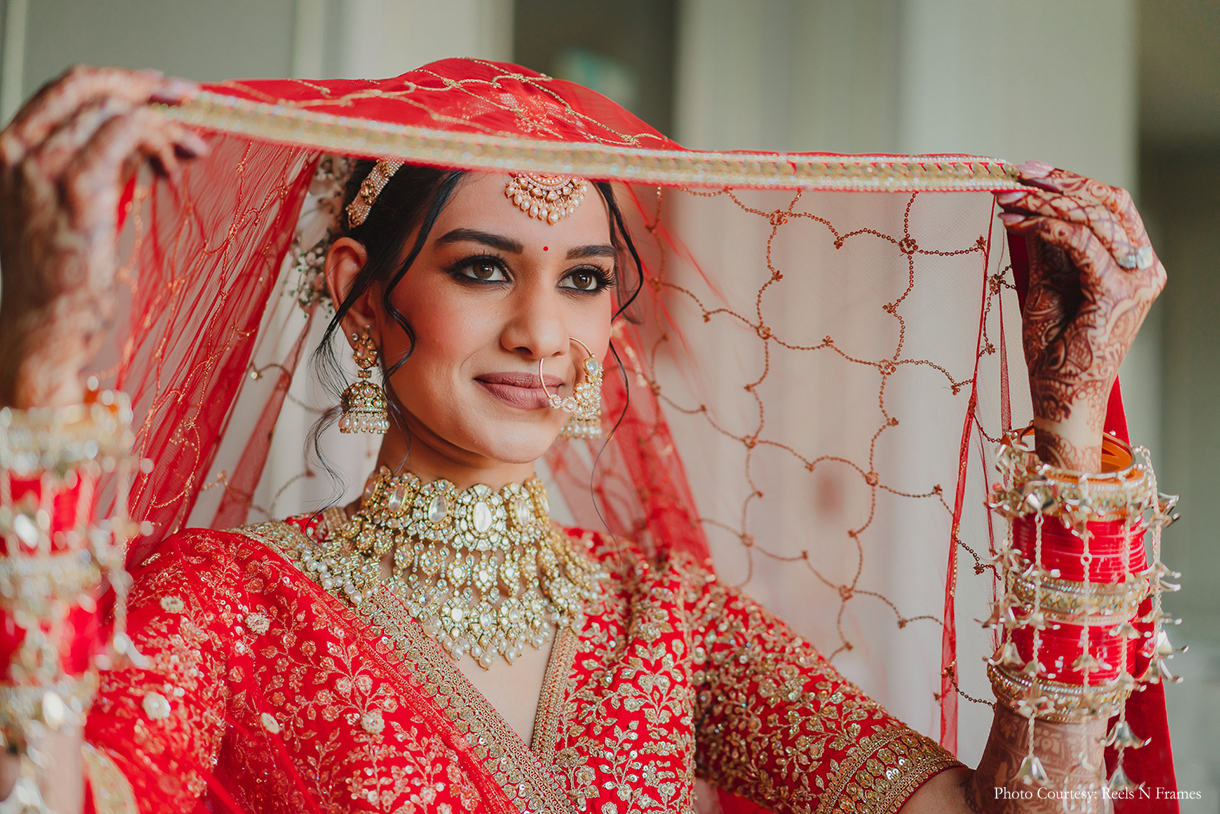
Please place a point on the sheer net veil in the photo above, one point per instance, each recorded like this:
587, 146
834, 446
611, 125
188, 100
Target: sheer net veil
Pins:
807, 393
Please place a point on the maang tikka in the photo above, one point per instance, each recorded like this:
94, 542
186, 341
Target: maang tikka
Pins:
363, 403
549, 198
585, 403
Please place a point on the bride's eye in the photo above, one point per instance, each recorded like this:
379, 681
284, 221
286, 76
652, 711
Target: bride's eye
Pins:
486, 271
481, 269
586, 279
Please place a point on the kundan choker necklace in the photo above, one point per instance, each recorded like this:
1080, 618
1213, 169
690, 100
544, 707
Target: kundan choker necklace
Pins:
484, 572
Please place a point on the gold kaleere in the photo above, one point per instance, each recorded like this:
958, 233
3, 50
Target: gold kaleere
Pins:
485, 572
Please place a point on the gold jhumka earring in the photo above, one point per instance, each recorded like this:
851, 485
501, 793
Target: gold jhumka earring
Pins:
363, 404
585, 403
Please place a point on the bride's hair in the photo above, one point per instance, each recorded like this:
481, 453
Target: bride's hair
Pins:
410, 203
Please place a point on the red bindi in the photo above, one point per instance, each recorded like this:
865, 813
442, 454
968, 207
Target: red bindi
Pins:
546, 248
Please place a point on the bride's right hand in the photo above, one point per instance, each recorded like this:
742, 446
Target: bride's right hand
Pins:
64, 161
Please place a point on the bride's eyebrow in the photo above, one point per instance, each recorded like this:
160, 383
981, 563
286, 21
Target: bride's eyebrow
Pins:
596, 250
504, 244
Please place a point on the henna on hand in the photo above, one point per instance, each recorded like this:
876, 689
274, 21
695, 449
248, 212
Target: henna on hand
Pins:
1059, 451
1083, 309
1071, 754
970, 795
64, 160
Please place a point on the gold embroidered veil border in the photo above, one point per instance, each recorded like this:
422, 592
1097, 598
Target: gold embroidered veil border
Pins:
329, 133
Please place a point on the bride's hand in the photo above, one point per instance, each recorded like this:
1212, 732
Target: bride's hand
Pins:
64, 160
1092, 278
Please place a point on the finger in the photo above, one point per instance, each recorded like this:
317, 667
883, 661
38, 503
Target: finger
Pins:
54, 154
1034, 169
166, 161
1081, 246
57, 152
58, 100
1100, 276
92, 182
79, 85
1104, 223
1052, 297
1050, 273
1115, 199
1047, 312
174, 90
1053, 285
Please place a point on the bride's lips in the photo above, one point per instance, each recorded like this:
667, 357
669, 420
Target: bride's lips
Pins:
519, 389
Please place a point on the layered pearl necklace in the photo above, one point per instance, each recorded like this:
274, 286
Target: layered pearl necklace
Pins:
484, 572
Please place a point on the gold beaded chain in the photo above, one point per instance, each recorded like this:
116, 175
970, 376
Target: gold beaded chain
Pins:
484, 572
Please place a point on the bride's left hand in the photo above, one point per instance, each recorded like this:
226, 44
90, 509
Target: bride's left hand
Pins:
1092, 278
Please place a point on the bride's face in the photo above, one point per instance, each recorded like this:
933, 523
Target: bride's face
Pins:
492, 293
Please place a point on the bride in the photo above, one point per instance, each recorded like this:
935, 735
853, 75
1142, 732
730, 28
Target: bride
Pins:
441, 644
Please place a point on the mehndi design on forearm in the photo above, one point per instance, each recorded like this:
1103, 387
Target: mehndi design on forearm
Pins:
1083, 308
1059, 451
1059, 746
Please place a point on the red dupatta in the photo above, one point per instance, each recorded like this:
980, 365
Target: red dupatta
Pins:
811, 380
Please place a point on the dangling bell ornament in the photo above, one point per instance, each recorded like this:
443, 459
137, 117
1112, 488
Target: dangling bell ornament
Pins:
1163, 674
1033, 668
1001, 615
1036, 620
1121, 736
1120, 784
1032, 773
1006, 656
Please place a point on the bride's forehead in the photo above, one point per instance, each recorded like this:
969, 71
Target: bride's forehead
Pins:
484, 200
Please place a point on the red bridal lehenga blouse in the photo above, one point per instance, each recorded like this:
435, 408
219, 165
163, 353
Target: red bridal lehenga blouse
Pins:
297, 702
813, 380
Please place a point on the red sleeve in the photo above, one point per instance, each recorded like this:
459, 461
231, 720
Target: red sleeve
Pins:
153, 730
162, 724
777, 724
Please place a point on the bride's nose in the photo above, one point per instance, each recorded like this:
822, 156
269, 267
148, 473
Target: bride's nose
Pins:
536, 327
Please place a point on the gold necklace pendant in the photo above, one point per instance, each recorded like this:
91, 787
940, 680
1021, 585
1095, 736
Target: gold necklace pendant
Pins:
484, 572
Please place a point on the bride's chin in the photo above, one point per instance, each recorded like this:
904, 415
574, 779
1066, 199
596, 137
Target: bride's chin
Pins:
513, 442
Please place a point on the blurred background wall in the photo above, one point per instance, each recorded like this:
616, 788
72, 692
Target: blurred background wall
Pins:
1126, 92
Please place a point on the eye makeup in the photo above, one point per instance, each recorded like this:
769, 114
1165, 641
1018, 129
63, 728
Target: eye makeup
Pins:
490, 269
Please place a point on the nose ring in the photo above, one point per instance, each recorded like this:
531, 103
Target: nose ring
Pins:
585, 402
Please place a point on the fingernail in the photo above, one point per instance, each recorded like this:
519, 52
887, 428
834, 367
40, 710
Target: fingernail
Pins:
196, 143
175, 90
1035, 169
1009, 197
1010, 218
1048, 183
